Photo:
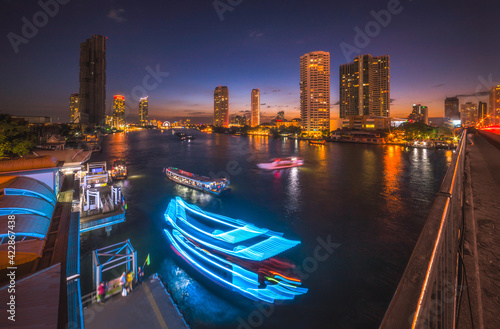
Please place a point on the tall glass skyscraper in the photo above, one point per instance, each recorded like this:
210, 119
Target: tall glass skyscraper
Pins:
143, 111
119, 111
255, 111
315, 91
221, 106
93, 81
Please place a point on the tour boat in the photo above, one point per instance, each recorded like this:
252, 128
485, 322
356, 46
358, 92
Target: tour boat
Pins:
217, 186
282, 163
119, 170
317, 142
233, 253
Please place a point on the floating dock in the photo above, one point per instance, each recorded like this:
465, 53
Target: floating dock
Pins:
148, 306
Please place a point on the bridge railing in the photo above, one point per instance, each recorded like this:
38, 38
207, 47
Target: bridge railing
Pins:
427, 293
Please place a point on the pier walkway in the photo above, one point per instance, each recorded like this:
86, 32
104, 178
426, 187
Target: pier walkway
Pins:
484, 159
148, 306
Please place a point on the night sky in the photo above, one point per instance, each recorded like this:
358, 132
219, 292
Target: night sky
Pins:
437, 49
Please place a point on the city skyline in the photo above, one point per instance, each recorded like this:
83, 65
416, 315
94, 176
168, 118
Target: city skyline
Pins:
424, 65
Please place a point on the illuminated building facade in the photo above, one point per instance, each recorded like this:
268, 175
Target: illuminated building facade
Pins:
494, 111
221, 107
315, 91
255, 111
119, 111
93, 80
482, 110
420, 113
451, 108
365, 86
143, 111
74, 108
468, 114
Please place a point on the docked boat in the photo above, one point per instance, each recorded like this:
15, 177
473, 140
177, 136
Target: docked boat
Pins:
233, 253
119, 170
317, 142
216, 186
281, 163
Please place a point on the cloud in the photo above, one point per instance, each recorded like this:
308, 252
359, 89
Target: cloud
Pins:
393, 100
276, 91
481, 93
255, 34
336, 103
439, 85
263, 104
115, 14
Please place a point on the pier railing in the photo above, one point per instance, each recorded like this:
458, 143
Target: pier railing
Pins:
427, 293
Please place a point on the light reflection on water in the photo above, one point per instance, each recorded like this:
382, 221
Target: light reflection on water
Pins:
371, 199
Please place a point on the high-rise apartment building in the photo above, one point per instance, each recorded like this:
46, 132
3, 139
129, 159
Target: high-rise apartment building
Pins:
221, 106
255, 110
119, 111
315, 91
482, 110
143, 111
451, 108
494, 111
74, 108
468, 114
93, 80
365, 86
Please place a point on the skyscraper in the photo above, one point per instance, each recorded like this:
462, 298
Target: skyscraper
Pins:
494, 111
221, 106
365, 86
74, 108
451, 108
420, 113
468, 114
315, 91
143, 111
255, 111
482, 110
119, 111
93, 80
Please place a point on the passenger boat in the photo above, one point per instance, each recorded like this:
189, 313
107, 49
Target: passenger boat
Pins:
282, 163
317, 142
233, 253
119, 170
216, 186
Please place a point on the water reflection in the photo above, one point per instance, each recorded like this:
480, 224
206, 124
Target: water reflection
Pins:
293, 191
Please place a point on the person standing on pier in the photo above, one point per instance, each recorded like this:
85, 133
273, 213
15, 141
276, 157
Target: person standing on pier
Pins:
123, 282
101, 291
130, 278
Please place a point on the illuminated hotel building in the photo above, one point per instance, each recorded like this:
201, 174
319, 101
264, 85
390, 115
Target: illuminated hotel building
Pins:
143, 111
468, 114
494, 111
119, 111
315, 91
255, 111
365, 87
451, 108
93, 80
74, 108
221, 107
